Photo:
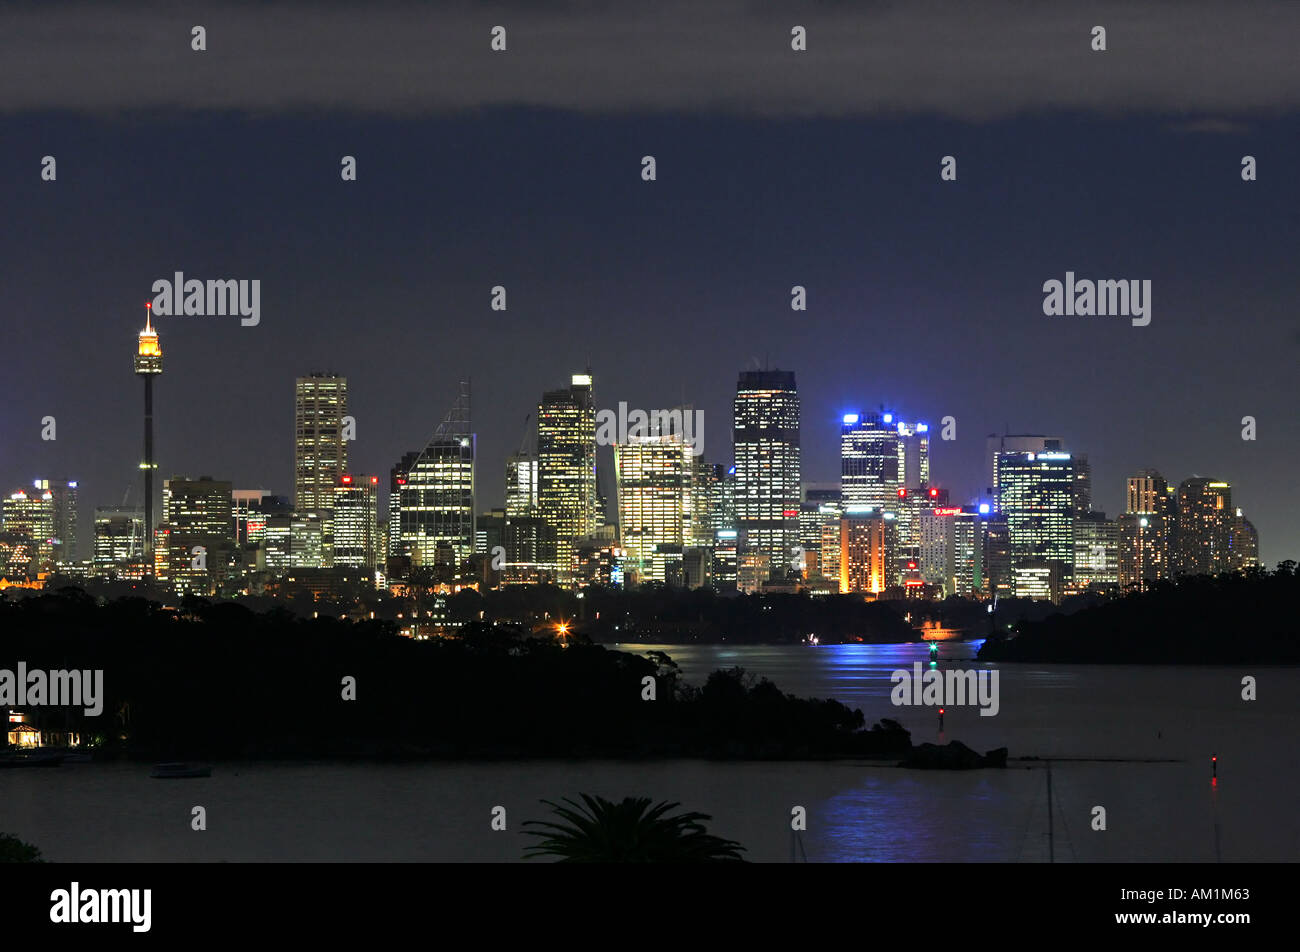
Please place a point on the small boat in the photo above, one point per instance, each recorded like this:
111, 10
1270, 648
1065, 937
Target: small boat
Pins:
36, 758
178, 771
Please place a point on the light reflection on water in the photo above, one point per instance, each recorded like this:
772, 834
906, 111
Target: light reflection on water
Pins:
1157, 811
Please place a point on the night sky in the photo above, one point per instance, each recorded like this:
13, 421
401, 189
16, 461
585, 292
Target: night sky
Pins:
523, 169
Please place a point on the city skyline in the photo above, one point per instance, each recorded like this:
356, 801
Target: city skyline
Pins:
913, 462
1039, 493
922, 294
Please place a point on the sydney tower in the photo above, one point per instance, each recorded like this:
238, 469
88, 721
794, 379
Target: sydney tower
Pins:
148, 364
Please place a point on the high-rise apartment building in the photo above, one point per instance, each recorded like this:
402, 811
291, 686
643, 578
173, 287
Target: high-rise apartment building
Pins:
1203, 541
867, 550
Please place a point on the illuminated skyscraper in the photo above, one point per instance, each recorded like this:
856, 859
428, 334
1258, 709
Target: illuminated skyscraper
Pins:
148, 364
1146, 532
1203, 541
871, 455
951, 551
356, 522
119, 543
31, 515
1017, 443
885, 463
1096, 551
1243, 544
1036, 493
199, 514
435, 497
396, 480
521, 486
1148, 494
566, 468
654, 475
768, 488
320, 451
63, 493
867, 556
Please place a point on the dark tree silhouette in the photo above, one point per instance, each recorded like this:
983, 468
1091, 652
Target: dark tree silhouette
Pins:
628, 832
14, 850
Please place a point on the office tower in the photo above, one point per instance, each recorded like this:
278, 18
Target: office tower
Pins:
306, 539
320, 450
566, 474
828, 552
1036, 494
726, 568
1096, 551
1082, 485
967, 548
706, 491
1015, 443
246, 509
1037, 580
275, 547
489, 532
1204, 527
63, 494
998, 559
816, 499
871, 450
653, 475
198, 515
885, 463
148, 364
951, 551
766, 440
530, 551
1243, 544
431, 515
31, 516
397, 478
722, 504
868, 538
356, 522
914, 455
521, 486
436, 503
936, 547
119, 542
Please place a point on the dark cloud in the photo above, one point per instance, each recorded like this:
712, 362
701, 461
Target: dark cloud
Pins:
967, 61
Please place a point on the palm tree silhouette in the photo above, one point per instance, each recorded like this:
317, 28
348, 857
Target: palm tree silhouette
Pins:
628, 832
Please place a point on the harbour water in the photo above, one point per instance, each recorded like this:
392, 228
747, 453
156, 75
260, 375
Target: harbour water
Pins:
1136, 741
